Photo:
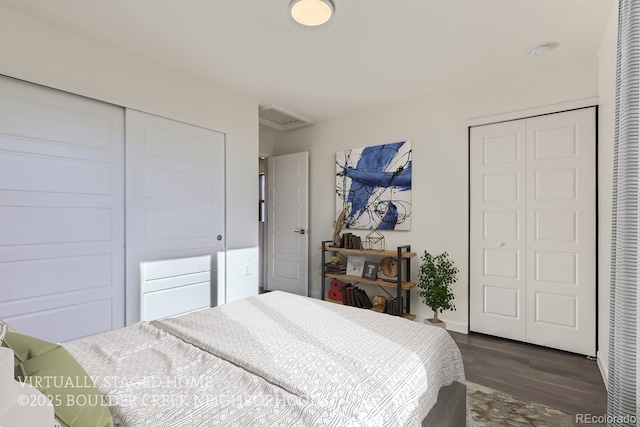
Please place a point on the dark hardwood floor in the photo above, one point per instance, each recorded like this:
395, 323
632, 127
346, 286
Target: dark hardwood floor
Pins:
561, 380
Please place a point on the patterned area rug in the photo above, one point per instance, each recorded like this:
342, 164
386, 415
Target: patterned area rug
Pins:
490, 407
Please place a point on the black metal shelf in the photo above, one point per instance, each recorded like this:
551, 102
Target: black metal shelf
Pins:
404, 256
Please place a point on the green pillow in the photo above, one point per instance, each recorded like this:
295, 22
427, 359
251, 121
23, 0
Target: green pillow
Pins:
53, 371
25, 347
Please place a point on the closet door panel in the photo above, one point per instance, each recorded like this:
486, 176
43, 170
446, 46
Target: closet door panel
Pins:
61, 212
532, 230
561, 252
175, 196
498, 219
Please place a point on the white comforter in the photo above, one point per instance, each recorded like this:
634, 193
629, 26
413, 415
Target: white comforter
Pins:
361, 366
150, 378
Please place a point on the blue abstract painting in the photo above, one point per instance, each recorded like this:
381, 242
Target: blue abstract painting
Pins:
374, 185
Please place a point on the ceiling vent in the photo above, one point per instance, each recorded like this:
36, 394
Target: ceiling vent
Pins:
280, 119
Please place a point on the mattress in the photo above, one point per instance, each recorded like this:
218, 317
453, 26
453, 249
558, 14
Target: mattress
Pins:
359, 365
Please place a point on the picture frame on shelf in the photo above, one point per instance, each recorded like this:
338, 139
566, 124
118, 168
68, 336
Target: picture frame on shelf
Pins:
370, 270
355, 265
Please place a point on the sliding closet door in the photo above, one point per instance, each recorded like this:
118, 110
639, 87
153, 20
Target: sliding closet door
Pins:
175, 195
61, 212
498, 229
532, 236
561, 243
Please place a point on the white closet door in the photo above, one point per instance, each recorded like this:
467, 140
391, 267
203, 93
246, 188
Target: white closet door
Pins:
561, 251
61, 212
532, 237
498, 229
175, 195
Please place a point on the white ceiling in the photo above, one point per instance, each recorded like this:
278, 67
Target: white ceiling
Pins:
372, 53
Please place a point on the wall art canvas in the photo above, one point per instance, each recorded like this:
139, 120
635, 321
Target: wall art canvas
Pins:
374, 185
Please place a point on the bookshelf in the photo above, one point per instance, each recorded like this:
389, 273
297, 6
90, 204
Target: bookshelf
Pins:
402, 285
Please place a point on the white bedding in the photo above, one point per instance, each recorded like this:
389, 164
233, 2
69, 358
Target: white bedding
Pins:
150, 378
360, 365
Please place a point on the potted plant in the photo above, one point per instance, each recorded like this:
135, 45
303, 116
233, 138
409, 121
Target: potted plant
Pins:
437, 274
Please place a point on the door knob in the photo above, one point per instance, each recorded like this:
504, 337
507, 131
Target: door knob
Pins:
301, 231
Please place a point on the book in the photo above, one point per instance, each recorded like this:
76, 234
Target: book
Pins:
363, 299
335, 268
366, 300
356, 297
344, 293
349, 291
394, 306
346, 241
390, 305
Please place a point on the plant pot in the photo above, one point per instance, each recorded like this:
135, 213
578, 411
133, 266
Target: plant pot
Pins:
439, 323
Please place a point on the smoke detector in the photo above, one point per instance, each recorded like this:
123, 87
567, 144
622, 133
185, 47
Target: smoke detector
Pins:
541, 50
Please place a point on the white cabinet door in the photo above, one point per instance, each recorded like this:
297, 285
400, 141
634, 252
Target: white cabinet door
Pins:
498, 229
287, 223
175, 195
61, 212
561, 249
532, 236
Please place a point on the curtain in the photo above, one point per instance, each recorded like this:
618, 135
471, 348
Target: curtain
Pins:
623, 378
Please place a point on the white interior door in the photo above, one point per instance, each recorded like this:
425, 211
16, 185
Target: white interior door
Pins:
532, 241
498, 230
175, 195
561, 244
287, 223
61, 212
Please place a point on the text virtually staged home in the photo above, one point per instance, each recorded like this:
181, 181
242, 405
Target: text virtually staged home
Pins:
319, 213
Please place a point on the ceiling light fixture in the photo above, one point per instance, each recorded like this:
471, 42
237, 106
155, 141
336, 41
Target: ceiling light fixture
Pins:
311, 12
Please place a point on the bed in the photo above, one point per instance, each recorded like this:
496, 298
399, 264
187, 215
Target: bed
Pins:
277, 359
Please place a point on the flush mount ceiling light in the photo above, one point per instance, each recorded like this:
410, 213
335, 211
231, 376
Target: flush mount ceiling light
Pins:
311, 12
540, 50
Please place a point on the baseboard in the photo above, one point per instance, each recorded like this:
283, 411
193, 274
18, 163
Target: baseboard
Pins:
461, 328
451, 326
315, 295
604, 369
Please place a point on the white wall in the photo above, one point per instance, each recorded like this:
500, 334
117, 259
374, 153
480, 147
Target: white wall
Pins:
37, 52
267, 141
437, 127
241, 267
606, 131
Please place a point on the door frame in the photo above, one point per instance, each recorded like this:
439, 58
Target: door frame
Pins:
262, 239
527, 114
